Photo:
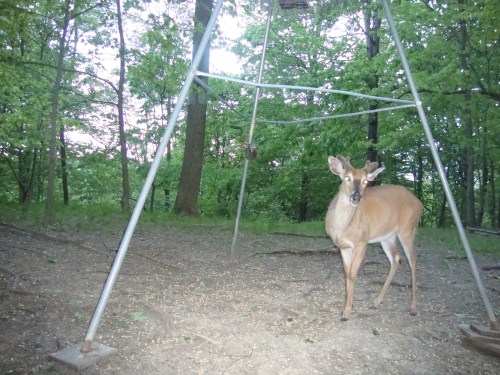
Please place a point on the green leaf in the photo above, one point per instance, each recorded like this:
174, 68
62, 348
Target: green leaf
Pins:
138, 316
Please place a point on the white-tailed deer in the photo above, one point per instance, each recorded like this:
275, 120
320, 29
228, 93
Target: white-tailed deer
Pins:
359, 215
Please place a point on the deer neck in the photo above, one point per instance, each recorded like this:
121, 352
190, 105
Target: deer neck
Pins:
343, 212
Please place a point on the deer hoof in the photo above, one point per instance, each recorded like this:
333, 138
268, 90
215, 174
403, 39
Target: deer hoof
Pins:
344, 318
413, 311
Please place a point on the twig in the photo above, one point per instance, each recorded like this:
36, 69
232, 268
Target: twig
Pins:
239, 358
12, 273
104, 242
209, 340
395, 283
300, 235
156, 261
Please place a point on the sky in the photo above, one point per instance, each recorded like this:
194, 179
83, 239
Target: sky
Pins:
224, 61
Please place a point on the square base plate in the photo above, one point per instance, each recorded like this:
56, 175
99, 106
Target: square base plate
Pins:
72, 356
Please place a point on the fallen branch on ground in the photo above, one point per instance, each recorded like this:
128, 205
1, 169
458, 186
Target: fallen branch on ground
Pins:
305, 252
483, 232
80, 244
491, 268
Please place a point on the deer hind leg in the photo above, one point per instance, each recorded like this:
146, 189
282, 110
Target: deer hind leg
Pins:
352, 259
392, 253
407, 243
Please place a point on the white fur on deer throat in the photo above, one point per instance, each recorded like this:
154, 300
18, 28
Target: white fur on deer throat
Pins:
342, 217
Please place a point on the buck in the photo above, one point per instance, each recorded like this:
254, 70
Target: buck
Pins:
359, 215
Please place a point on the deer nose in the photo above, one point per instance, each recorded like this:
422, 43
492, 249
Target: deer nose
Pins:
355, 198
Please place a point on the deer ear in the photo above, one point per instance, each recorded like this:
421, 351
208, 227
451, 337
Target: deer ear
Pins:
370, 166
335, 166
345, 162
372, 175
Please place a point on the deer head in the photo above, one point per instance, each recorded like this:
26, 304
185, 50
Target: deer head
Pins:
354, 181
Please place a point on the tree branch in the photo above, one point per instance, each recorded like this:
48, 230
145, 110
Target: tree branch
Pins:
427, 5
95, 76
73, 16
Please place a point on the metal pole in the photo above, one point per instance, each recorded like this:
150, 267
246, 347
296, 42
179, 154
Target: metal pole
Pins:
439, 166
252, 128
122, 250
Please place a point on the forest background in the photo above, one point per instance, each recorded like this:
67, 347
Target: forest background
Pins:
87, 86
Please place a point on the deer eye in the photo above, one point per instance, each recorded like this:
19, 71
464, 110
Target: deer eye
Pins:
347, 179
365, 182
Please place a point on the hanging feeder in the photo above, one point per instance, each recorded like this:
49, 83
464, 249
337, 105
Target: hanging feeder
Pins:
293, 4
251, 151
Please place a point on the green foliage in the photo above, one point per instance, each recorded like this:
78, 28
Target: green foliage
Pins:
450, 239
289, 181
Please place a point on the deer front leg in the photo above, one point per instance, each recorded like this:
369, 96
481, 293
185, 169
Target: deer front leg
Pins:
352, 259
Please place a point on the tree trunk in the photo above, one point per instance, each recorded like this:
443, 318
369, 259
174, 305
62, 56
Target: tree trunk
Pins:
483, 189
304, 196
152, 196
372, 25
442, 213
25, 172
48, 217
62, 136
498, 214
188, 189
419, 188
441, 223
166, 192
64, 170
470, 213
495, 221
25, 166
125, 201
189, 185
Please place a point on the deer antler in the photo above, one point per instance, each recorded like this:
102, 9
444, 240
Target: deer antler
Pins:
345, 162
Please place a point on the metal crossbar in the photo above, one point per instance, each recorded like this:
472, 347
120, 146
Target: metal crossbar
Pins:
341, 115
303, 88
410, 104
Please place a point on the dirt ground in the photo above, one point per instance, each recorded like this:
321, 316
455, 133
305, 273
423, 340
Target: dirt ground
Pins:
181, 306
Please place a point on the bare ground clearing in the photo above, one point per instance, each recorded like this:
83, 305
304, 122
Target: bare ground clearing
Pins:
180, 306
